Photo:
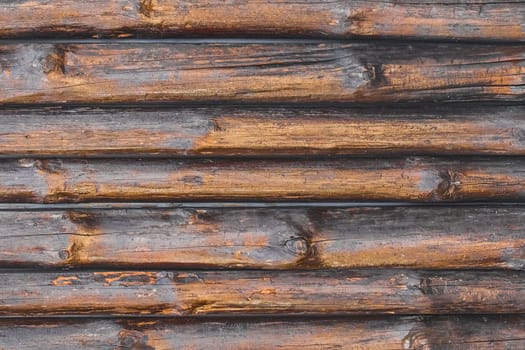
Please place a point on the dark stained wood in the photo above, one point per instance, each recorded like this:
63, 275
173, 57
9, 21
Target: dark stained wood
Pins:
455, 19
330, 292
259, 72
410, 179
118, 158
409, 237
393, 333
246, 131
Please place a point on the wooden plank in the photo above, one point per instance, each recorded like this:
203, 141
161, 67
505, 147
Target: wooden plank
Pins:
260, 72
96, 132
328, 292
409, 237
410, 179
455, 19
394, 333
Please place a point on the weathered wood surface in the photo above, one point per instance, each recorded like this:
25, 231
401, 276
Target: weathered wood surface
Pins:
329, 292
259, 72
469, 20
393, 333
248, 131
409, 237
410, 179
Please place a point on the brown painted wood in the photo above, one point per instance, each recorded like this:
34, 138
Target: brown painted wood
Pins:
329, 292
260, 72
393, 333
409, 237
96, 132
455, 19
410, 179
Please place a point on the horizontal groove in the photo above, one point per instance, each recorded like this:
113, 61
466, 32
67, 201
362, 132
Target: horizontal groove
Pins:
152, 105
13, 206
133, 41
248, 318
254, 40
189, 269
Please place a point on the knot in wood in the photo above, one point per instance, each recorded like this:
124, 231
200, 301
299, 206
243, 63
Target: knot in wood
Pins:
374, 74
428, 287
54, 62
51, 166
131, 339
416, 339
86, 219
63, 254
449, 184
165, 277
298, 246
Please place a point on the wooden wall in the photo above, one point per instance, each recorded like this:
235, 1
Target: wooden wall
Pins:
262, 174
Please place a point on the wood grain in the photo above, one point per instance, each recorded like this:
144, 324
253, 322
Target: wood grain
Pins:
249, 131
455, 19
407, 237
370, 333
261, 72
407, 179
329, 292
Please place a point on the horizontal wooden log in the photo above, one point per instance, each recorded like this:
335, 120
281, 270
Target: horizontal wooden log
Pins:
96, 132
329, 292
259, 72
468, 20
409, 237
121, 180
394, 333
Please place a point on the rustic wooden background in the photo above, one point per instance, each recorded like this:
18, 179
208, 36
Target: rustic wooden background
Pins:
262, 174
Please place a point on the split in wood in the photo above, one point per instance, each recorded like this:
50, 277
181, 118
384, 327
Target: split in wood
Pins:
326, 72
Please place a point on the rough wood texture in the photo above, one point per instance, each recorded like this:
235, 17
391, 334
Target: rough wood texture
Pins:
393, 333
410, 237
246, 131
455, 19
260, 72
410, 179
192, 293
